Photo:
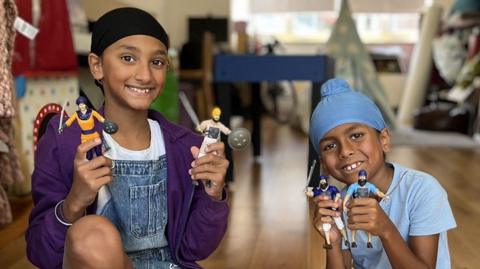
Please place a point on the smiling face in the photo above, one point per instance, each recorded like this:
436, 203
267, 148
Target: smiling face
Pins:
351, 147
82, 107
132, 71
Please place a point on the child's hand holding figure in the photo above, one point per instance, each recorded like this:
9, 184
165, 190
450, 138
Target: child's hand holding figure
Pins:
88, 178
210, 169
324, 215
367, 215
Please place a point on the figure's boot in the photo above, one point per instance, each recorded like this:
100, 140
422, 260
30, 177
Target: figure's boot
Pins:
327, 240
354, 234
369, 243
327, 246
344, 234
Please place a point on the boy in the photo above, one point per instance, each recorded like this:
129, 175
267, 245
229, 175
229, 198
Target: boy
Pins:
349, 134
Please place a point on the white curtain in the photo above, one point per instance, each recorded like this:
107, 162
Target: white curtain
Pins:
370, 6
271, 6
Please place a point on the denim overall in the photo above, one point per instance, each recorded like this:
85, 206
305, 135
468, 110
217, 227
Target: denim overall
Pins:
138, 208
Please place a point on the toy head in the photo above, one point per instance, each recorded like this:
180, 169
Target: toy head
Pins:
81, 100
339, 105
362, 178
216, 113
323, 182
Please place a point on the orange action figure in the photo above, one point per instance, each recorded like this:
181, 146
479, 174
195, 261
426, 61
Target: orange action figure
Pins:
85, 118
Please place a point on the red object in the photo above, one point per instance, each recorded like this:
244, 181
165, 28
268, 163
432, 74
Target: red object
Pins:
473, 45
53, 45
41, 121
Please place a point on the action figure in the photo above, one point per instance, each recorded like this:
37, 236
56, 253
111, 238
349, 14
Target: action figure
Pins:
204, 126
238, 139
361, 189
333, 193
85, 118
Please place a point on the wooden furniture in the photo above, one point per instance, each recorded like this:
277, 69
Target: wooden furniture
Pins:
202, 77
21, 207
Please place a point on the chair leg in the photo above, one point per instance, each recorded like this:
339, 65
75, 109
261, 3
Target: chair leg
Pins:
200, 105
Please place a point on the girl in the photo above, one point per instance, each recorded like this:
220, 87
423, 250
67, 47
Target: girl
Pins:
143, 204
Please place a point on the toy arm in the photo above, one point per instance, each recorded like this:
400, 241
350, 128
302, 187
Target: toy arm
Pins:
98, 116
225, 129
309, 191
337, 197
201, 127
70, 120
109, 127
346, 199
381, 194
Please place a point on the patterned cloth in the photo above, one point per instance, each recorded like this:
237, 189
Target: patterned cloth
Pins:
8, 13
9, 162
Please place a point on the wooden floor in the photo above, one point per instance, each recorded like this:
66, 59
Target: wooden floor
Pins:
269, 225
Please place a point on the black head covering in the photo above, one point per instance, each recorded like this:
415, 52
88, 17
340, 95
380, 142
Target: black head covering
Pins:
122, 22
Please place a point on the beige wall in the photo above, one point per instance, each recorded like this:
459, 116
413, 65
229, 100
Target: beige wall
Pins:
172, 14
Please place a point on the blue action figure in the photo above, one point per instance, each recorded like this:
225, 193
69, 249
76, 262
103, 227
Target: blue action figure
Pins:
324, 189
361, 189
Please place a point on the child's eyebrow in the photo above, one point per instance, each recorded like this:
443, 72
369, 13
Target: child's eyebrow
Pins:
135, 49
127, 47
326, 139
161, 52
346, 131
353, 127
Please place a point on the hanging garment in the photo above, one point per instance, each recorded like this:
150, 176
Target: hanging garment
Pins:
52, 49
9, 162
7, 36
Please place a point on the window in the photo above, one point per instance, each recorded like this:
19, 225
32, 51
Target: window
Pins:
316, 26
377, 22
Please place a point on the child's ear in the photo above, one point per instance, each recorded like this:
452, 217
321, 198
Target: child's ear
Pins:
385, 140
95, 64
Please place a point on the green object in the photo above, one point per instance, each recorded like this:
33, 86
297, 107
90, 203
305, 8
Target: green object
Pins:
167, 102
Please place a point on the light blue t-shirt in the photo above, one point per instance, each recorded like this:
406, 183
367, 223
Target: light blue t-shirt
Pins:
418, 205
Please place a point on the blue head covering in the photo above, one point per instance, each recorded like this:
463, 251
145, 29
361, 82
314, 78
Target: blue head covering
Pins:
339, 104
81, 100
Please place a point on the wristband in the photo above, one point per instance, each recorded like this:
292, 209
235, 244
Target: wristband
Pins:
59, 214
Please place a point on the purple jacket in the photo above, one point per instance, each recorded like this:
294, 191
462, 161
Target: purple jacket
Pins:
196, 223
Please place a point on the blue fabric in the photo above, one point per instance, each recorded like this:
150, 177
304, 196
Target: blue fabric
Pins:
138, 208
416, 198
367, 190
20, 86
339, 104
331, 192
465, 6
